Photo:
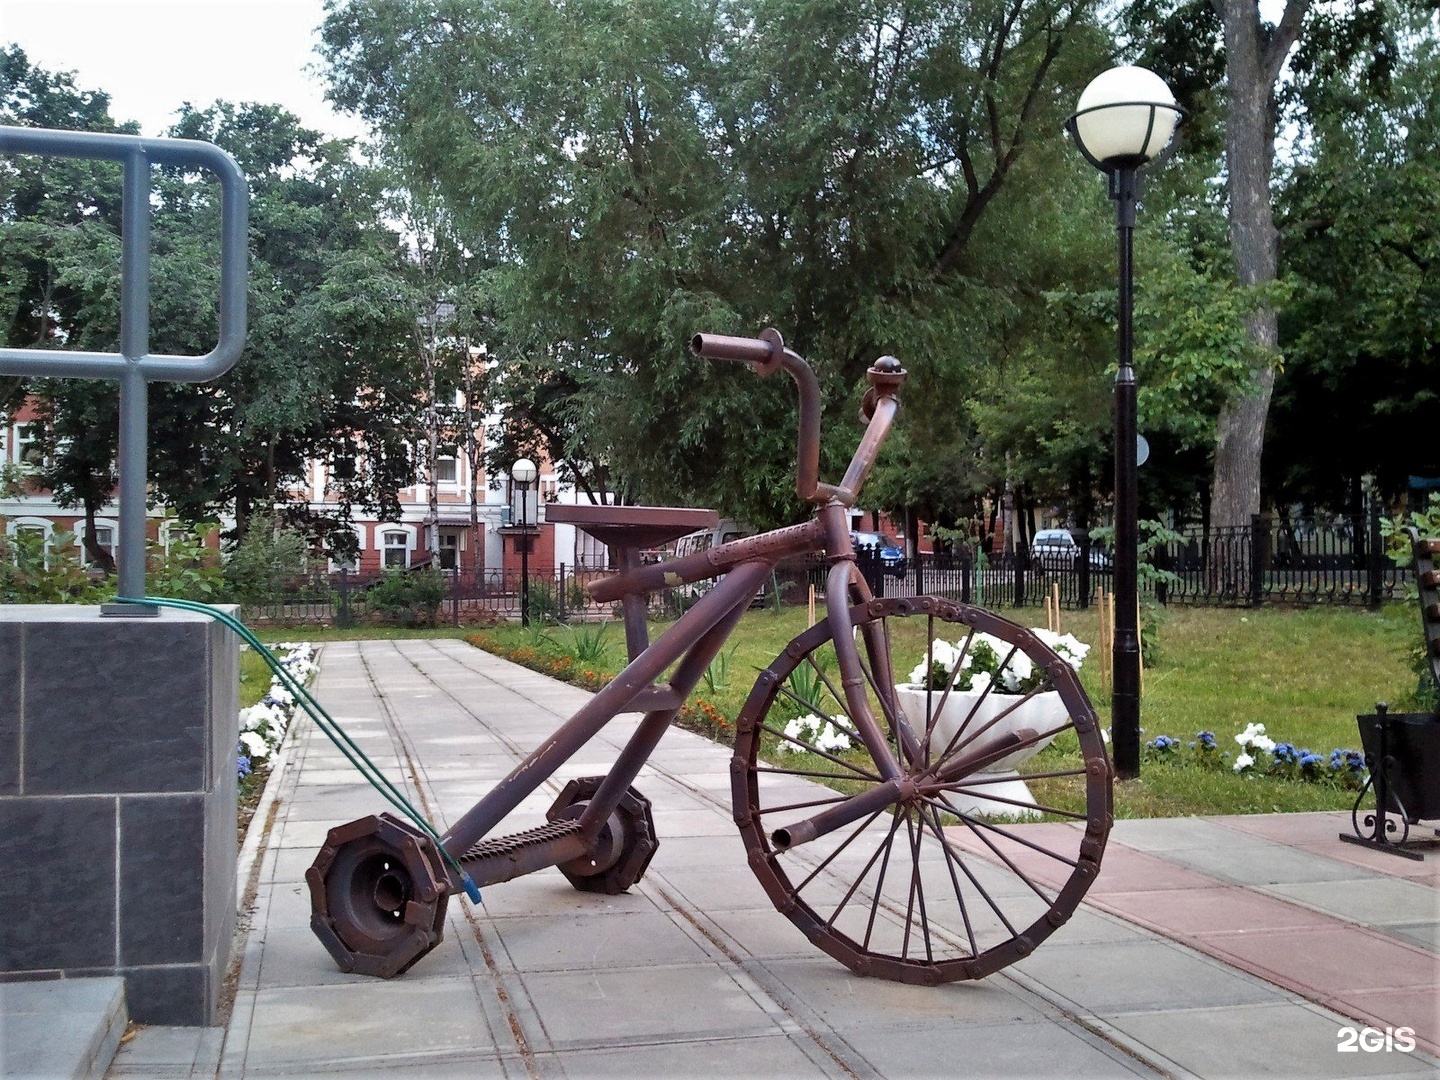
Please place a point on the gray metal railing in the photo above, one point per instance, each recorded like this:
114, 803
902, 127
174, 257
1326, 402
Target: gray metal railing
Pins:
134, 366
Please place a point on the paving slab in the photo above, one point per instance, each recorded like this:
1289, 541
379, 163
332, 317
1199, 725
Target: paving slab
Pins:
60, 1028
692, 973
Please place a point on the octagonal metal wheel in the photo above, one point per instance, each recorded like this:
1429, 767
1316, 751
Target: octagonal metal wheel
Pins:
626, 843
378, 893
977, 866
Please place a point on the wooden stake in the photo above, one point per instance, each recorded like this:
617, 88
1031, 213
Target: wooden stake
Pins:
1107, 638
1055, 592
1141, 634
1110, 644
810, 610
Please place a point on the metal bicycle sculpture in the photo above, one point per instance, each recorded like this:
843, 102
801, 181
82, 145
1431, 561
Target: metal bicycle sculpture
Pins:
886, 867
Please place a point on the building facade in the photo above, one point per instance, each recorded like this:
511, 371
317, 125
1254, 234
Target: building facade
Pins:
475, 532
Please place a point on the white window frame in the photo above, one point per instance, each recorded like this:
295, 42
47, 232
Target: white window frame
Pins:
44, 526
353, 566
24, 439
455, 533
383, 534
447, 455
114, 546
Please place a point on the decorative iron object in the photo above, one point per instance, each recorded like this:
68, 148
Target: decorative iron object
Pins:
955, 896
624, 846
378, 891
1402, 750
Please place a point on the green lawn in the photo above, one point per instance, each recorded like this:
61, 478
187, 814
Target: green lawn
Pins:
1303, 673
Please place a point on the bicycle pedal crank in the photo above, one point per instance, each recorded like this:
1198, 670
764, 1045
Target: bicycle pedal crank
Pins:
622, 850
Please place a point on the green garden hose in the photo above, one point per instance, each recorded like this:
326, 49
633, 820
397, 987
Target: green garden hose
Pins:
333, 731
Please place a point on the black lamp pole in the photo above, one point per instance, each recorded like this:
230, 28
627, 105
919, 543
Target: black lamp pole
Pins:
524, 554
1127, 117
524, 473
1125, 699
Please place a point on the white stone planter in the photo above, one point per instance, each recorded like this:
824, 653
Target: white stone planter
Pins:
1043, 712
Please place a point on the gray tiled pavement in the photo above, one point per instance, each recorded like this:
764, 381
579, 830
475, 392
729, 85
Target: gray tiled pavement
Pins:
692, 973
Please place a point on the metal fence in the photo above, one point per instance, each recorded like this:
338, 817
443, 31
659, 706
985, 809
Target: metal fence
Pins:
1277, 561
1271, 561
465, 598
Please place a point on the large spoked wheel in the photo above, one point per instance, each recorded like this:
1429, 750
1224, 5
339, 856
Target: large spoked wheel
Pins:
973, 864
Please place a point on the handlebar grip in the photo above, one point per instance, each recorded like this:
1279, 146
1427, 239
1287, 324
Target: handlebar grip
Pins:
764, 352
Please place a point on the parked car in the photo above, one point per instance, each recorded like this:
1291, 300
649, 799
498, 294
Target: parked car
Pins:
892, 556
1056, 549
704, 540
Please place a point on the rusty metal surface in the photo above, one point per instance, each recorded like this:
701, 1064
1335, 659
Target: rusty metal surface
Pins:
691, 628
503, 858
908, 920
704, 565
624, 845
600, 833
632, 526
378, 894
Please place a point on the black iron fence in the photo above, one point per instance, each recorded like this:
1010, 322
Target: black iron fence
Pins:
1269, 561
1286, 562
416, 597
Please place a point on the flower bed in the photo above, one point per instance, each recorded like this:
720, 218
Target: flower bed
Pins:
1261, 756
263, 725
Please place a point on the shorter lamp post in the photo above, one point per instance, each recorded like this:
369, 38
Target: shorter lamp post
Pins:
1126, 118
524, 472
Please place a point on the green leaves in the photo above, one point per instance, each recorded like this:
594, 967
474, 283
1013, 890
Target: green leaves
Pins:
637, 173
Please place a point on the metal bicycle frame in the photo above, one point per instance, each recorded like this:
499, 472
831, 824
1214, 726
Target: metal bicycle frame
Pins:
697, 637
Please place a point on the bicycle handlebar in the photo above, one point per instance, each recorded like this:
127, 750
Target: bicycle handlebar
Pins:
759, 350
768, 353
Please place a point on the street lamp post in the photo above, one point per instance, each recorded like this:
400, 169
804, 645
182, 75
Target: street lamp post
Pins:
1126, 118
524, 472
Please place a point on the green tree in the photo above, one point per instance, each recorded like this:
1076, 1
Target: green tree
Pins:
636, 173
326, 368
1360, 243
45, 203
1270, 74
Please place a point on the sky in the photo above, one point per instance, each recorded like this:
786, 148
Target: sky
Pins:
151, 56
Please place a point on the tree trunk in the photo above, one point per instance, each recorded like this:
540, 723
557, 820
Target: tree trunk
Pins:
103, 559
1253, 57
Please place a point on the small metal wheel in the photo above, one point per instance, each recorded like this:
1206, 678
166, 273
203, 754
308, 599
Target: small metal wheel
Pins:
974, 865
378, 892
624, 847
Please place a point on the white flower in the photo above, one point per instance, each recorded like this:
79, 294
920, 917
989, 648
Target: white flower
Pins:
1067, 646
831, 737
979, 681
262, 726
1243, 762
1250, 732
1262, 742
817, 732
1016, 672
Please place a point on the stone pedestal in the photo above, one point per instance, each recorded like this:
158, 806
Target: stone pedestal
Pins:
117, 803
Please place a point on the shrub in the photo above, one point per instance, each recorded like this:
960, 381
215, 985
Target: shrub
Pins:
34, 572
544, 603
189, 569
266, 561
409, 597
